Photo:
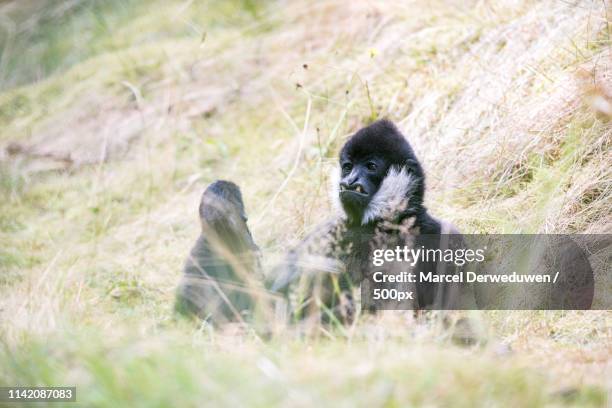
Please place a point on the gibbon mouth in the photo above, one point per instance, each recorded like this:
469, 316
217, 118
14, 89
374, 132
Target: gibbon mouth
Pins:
358, 191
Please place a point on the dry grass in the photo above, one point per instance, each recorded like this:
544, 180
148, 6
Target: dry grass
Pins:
105, 156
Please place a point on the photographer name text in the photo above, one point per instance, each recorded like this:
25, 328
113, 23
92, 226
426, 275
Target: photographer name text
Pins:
461, 277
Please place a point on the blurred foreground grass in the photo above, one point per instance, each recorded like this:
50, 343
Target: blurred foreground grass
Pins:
114, 115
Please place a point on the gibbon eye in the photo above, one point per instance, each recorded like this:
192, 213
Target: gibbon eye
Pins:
371, 166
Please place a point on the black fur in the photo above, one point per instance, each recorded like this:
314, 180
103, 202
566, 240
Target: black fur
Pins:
382, 139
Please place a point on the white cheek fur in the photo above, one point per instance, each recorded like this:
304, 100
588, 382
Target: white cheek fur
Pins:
392, 194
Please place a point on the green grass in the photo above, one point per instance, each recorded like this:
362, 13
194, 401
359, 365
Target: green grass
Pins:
265, 94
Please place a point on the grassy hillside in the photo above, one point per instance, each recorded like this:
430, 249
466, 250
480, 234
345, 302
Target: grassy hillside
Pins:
115, 115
